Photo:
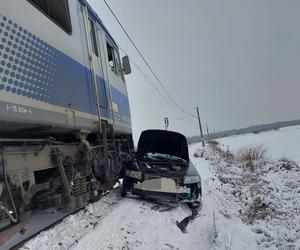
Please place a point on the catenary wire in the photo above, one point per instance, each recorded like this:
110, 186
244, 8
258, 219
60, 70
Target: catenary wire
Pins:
150, 68
143, 57
149, 81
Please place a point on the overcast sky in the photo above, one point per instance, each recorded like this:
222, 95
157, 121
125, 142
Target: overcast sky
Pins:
238, 60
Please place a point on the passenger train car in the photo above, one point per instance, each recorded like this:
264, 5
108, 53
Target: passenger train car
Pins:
65, 126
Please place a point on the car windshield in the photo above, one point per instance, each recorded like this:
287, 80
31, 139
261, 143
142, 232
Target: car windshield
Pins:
156, 156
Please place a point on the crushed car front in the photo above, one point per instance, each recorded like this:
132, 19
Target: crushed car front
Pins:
162, 169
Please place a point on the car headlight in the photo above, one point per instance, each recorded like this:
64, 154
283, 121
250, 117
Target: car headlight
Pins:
191, 179
134, 174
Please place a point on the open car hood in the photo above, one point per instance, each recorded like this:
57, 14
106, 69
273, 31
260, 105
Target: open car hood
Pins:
163, 142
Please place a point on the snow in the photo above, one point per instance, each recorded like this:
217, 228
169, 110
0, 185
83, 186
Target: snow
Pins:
74, 227
116, 223
274, 184
284, 142
136, 225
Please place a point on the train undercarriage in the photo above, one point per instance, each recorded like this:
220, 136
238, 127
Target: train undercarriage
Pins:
37, 174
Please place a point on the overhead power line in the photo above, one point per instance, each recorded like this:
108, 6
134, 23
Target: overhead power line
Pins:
181, 117
188, 113
182, 110
142, 56
149, 81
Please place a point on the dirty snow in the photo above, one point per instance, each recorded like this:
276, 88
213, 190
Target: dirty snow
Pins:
116, 223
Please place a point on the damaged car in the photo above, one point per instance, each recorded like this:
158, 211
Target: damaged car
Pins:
162, 169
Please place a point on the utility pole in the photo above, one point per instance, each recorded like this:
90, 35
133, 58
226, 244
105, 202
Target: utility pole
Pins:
200, 127
207, 132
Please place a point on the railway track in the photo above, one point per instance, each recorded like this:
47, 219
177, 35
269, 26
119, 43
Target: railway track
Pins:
16, 236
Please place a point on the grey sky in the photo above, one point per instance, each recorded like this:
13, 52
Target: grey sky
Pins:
238, 60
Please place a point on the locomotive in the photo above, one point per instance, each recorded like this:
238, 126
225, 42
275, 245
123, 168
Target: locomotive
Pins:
65, 125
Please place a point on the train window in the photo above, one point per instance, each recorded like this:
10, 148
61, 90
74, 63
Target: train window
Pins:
119, 66
114, 60
93, 37
57, 11
111, 58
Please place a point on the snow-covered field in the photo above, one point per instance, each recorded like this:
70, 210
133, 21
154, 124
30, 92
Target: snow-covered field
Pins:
284, 142
229, 193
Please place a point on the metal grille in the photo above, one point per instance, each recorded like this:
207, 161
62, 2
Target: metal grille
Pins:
56, 10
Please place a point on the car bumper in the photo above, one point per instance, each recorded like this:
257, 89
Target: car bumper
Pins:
164, 189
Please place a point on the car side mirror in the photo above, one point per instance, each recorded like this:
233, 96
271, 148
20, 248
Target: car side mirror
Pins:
126, 65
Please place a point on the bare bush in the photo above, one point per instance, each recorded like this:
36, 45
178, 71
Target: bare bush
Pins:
252, 157
287, 164
226, 155
198, 154
258, 210
213, 143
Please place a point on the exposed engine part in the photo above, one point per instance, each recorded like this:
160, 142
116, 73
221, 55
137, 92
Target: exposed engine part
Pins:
176, 168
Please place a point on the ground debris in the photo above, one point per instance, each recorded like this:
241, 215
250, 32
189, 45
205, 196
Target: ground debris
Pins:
184, 223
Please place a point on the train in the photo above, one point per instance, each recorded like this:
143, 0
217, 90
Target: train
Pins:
65, 123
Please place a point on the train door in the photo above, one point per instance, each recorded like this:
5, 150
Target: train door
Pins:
97, 55
106, 83
116, 78
99, 85
102, 48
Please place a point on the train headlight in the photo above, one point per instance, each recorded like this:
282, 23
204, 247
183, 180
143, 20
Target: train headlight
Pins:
134, 174
191, 179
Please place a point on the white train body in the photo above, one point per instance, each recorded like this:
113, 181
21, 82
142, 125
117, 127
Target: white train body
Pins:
46, 76
65, 126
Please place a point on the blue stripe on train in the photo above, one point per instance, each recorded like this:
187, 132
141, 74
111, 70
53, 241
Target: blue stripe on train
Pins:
32, 68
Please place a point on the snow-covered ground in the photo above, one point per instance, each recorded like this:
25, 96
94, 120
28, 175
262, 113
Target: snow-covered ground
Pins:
284, 142
228, 196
